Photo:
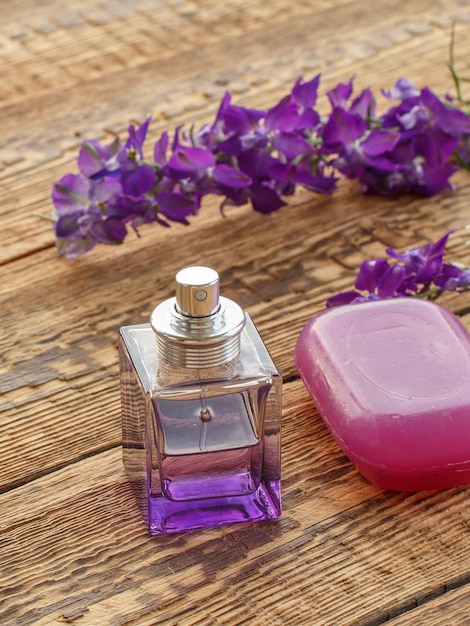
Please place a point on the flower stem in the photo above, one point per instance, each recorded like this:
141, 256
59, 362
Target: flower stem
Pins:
455, 77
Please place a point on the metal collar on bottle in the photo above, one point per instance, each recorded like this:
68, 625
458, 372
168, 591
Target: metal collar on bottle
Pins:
198, 328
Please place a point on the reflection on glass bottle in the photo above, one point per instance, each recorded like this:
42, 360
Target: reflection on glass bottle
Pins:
201, 410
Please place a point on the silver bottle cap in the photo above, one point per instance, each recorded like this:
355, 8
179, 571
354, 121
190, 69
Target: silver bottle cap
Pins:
198, 328
197, 291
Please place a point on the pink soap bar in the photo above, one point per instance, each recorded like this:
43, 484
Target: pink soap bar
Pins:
391, 380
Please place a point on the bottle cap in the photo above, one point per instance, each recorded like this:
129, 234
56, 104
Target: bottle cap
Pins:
197, 291
198, 328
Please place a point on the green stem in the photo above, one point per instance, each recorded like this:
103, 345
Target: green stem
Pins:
455, 77
48, 218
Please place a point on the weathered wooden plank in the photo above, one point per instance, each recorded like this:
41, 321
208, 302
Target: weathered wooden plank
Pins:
40, 140
450, 608
58, 375
95, 49
73, 548
73, 545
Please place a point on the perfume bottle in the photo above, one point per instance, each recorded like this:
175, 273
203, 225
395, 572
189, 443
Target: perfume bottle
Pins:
201, 412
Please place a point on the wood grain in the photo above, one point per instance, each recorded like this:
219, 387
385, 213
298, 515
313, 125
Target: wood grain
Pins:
73, 548
60, 378
453, 608
78, 535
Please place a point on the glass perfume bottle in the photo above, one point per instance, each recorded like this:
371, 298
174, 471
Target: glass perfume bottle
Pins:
201, 412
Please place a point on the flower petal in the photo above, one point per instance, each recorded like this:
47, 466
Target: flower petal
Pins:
370, 272
174, 206
402, 90
342, 129
230, 177
305, 94
187, 161
390, 281
160, 148
344, 297
380, 141
264, 199
283, 116
110, 231
139, 181
290, 145
136, 138
340, 95
71, 192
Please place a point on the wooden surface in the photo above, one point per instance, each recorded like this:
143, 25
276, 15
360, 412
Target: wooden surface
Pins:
73, 548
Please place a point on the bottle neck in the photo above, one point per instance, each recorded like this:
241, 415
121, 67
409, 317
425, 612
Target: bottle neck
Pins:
169, 374
191, 355
195, 342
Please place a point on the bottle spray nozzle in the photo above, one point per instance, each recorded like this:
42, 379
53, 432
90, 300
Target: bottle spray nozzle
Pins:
197, 291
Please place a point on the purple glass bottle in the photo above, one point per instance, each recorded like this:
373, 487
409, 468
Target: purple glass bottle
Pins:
201, 412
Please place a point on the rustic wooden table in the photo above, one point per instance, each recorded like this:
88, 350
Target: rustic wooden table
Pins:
73, 547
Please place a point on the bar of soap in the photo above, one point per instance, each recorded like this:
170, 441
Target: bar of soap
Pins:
391, 380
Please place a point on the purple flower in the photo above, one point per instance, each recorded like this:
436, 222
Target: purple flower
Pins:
430, 132
290, 145
250, 155
81, 219
232, 126
365, 106
189, 162
453, 277
175, 206
402, 90
96, 160
420, 271
284, 116
134, 211
305, 97
300, 172
264, 198
358, 147
268, 152
139, 181
135, 141
377, 277
236, 119
407, 149
425, 262
160, 150
340, 95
